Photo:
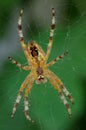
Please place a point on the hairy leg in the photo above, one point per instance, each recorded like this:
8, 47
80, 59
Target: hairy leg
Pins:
61, 85
27, 91
67, 93
24, 47
24, 84
55, 82
19, 65
51, 35
57, 59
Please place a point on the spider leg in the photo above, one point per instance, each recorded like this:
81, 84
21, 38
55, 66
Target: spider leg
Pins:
65, 103
67, 93
51, 35
16, 103
26, 102
18, 64
56, 59
21, 34
24, 84
56, 83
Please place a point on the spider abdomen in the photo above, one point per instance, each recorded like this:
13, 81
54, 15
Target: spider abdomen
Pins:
34, 50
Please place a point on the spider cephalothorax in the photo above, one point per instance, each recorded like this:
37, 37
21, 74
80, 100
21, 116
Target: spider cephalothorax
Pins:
38, 65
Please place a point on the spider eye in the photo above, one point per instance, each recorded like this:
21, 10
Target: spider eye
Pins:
40, 77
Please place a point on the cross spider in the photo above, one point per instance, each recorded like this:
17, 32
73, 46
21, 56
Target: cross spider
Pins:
37, 60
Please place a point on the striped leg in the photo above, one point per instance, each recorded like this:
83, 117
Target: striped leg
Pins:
20, 95
21, 35
65, 103
16, 103
55, 82
26, 103
20, 30
67, 93
59, 82
56, 59
18, 64
51, 34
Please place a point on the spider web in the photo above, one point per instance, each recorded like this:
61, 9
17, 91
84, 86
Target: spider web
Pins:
48, 111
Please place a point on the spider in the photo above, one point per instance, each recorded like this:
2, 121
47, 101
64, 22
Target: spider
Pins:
37, 60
